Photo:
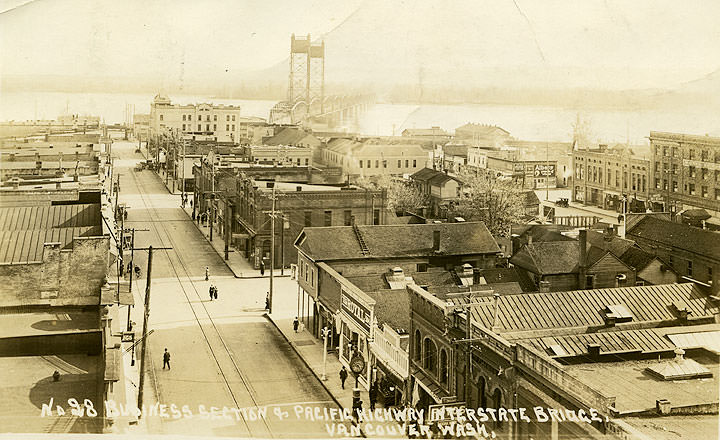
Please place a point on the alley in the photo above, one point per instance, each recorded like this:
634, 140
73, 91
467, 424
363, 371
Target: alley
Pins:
224, 353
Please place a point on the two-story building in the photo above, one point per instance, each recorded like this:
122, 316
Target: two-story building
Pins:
610, 360
441, 188
364, 159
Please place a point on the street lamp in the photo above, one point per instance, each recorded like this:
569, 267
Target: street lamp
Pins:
325, 334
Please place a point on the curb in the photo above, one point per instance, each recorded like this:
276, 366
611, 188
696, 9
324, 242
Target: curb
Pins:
337, 402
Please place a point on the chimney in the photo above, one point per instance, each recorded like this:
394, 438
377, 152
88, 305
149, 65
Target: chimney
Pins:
476, 276
663, 406
610, 320
436, 241
593, 349
583, 256
544, 286
679, 355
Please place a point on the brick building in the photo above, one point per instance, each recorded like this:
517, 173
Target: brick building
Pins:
689, 251
218, 122
607, 352
686, 172
603, 175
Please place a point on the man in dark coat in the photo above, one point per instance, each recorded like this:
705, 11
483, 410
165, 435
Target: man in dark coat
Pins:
343, 376
296, 324
166, 359
262, 268
372, 393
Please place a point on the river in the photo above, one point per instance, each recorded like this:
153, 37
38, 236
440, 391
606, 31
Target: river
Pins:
522, 121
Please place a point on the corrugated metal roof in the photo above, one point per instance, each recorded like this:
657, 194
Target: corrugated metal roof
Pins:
27, 245
646, 341
707, 340
582, 308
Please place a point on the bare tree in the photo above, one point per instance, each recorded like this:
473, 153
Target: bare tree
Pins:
498, 203
402, 196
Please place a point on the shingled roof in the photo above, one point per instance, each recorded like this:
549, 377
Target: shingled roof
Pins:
395, 241
677, 235
548, 257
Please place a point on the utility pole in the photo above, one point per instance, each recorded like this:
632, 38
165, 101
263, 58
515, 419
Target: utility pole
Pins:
467, 308
132, 256
282, 246
547, 177
272, 245
212, 200
146, 315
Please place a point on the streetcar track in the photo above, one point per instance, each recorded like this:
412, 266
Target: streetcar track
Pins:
250, 390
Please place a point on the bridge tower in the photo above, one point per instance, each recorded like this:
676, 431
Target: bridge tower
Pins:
307, 71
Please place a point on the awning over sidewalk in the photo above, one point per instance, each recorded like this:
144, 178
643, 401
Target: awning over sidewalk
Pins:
110, 296
430, 387
251, 231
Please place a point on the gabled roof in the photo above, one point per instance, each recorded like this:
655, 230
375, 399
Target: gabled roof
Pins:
434, 177
511, 274
549, 257
616, 245
637, 258
678, 236
395, 241
289, 136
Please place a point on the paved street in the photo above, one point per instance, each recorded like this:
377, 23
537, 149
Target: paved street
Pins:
225, 353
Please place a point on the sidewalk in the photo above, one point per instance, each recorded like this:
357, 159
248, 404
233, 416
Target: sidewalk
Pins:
310, 351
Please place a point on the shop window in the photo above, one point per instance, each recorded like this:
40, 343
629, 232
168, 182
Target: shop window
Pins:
429, 355
422, 267
328, 218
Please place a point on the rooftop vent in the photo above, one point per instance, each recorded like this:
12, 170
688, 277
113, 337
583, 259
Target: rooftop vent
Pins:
681, 309
617, 313
679, 368
593, 349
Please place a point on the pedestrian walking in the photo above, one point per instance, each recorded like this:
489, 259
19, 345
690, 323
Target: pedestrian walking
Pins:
372, 393
267, 300
207, 273
343, 376
296, 324
215, 291
166, 359
137, 271
210, 290
129, 266
262, 268
125, 214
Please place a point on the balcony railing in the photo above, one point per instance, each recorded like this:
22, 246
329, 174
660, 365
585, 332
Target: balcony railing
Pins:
394, 356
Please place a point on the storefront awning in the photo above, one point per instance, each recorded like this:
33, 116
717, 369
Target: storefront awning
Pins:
430, 387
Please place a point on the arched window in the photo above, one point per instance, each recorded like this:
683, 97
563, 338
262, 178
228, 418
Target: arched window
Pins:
481, 398
443, 367
497, 403
418, 345
430, 355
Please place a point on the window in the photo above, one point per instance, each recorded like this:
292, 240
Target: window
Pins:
376, 217
199, 127
308, 218
430, 355
600, 175
377, 164
692, 171
214, 118
704, 173
207, 118
675, 186
347, 217
422, 267
625, 180
418, 346
691, 154
161, 117
361, 162
414, 163
399, 163
704, 191
214, 127
617, 178
384, 163
312, 277
184, 116
692, 189
443, 367
307, 161
227, 118
328, 218
232, 127
189, 117
590, 281
183, 127
233, 118
368, 164
207, 127
227, 127
689, 268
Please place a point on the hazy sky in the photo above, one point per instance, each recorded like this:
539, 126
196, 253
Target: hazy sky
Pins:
592, 43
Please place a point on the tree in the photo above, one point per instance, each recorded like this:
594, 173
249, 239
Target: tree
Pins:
497, 203
402, 196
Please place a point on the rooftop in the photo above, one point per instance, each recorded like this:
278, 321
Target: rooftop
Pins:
392, 241
45, 322
548, 257
677, 235
432, 176
288, 136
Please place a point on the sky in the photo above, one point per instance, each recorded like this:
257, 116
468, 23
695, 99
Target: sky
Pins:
608, 44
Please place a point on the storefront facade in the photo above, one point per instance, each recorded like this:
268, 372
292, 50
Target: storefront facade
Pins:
356, 318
